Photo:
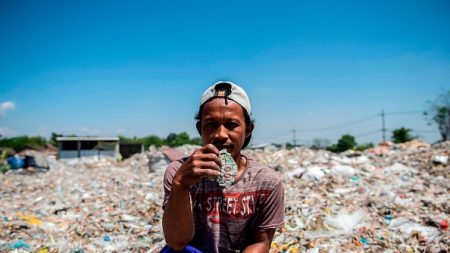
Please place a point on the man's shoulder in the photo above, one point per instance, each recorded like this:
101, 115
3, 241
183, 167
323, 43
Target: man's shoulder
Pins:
175, 164
173, 167
262, 172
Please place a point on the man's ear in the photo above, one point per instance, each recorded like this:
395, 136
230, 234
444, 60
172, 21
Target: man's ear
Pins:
249, 129
198, 125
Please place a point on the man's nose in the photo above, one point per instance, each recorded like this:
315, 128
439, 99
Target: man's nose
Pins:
221, 133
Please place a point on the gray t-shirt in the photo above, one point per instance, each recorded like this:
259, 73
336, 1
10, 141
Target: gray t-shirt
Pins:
226, 218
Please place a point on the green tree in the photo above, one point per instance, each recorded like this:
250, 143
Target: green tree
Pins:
20, 143
170, 139
152, 140
53, 139
197, 141
147, 140
182, 138
363, 147
401, 135
346, 142
439, 114
175, 140
320, 143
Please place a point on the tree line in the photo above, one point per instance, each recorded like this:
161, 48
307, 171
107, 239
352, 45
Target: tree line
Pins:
20, 143
172, 140
438, 113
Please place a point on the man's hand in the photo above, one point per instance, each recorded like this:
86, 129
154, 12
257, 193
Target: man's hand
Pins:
178, 221
204, 162
261, 242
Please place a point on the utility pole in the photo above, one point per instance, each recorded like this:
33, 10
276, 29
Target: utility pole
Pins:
383, 127
294, 141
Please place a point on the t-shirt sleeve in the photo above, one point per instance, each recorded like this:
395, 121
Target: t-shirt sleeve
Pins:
168, 178
271, 213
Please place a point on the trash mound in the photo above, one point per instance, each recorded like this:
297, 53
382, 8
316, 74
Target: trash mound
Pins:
83, 205
392, 198
387, 199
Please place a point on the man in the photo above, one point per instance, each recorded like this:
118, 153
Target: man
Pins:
241, 217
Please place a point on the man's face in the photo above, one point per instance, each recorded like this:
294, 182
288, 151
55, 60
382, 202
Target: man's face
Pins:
223, 125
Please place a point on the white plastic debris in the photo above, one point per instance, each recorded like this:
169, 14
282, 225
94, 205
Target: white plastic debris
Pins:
313, 173
440, 159
343, 170
345, 222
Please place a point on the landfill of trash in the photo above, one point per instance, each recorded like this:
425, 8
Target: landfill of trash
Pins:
391, 198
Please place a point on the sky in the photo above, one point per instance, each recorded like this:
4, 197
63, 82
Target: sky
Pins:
138, 68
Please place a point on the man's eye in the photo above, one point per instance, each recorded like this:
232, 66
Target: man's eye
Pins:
211, 124
232, 125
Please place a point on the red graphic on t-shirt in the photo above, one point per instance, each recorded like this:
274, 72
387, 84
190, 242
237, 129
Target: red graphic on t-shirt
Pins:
233, 205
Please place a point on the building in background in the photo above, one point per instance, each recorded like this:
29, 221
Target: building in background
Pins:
73, 147
128, 149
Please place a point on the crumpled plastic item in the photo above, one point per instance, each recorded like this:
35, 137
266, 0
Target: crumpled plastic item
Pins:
345, 222
19, 244
408, 227
442, 159
343, 170
30, 219
313, 173
228, 170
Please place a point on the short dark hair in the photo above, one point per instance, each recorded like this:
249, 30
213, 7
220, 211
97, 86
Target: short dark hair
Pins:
248, 122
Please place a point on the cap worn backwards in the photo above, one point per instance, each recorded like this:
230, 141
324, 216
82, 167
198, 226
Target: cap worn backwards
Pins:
227, 90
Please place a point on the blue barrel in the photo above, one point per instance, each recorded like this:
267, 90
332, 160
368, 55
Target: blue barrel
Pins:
15, 163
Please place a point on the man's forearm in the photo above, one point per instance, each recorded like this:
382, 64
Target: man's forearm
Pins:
178, 222
259, 247
261, 242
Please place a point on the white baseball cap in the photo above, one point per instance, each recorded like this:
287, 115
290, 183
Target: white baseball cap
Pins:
228, 90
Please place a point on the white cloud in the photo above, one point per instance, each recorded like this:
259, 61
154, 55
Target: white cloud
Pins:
5, 106
122, 131
89, 131
4, 131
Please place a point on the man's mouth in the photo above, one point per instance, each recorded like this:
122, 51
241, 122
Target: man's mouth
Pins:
221, 147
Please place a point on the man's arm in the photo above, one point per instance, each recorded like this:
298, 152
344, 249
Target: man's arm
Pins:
261, 242
178, 221
268, 219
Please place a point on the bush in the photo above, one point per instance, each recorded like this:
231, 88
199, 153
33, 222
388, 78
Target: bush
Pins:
439, 113
346, 142
172, 140
152, 140
401, 135
20, 143
363, 147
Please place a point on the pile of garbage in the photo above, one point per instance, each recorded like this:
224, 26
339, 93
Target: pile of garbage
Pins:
392, 198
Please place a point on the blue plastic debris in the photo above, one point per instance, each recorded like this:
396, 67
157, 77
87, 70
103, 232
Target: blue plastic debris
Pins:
388, 218
19, 244
364, 240
77, 250
106, 238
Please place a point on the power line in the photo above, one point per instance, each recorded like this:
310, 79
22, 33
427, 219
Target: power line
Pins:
425, 131
404, 112
373, 116
340, 125
275, 136
367, 133
383, 116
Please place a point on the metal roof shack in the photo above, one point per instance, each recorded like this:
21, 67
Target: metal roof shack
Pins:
129, 149
73, 147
